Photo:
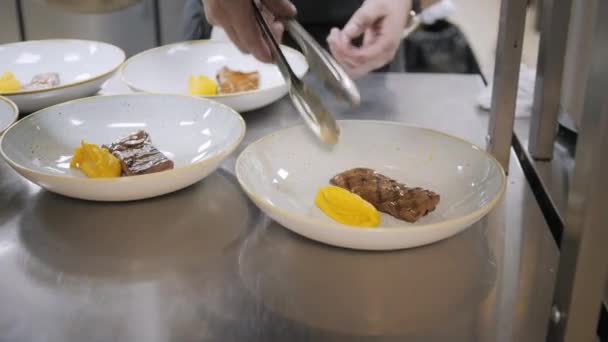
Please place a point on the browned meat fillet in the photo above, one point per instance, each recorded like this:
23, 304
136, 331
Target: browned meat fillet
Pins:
43, 81
138, 156
231, 81
396, 199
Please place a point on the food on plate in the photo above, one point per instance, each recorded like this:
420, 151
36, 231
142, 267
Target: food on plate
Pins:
346, 207
201, 85
231, 81
8, 82
129, 156
387, 195
43, 81
95, 162
228, 82
137, 155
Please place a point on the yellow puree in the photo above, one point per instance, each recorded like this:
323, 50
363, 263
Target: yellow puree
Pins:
95, 162
201, 85
8, 82
346, 207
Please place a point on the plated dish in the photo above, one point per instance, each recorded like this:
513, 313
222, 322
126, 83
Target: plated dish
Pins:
228, 82
426, 185
369, 191
132, 155
40, 73
241, 82
154, 145
9, 83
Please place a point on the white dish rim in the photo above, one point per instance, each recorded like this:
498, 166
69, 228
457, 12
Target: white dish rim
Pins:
124, 79
219, 155
379, 229
71, 84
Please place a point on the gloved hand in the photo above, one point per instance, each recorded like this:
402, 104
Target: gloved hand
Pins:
237, 19
381, 22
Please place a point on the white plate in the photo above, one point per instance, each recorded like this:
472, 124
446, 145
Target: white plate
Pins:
282, 172
82, 66
8, 113
166, 70
197, 134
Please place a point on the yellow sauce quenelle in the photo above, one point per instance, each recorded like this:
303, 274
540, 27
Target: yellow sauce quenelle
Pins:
95, 162
8, 82
201, 85
346, 207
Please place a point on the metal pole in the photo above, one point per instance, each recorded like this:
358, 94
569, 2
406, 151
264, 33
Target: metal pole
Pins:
506, 78
584, 258
578, 59
550, 66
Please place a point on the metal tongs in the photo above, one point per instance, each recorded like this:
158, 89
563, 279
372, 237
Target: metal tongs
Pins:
306, 101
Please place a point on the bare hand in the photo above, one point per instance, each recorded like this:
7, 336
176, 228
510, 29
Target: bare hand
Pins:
237, 19
381, 22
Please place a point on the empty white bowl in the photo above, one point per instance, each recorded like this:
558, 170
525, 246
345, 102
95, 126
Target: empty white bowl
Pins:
282, 173
197, 134
8, 113
166, 70
82, 66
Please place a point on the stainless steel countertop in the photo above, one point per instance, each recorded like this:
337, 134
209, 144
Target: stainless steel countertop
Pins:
204, 264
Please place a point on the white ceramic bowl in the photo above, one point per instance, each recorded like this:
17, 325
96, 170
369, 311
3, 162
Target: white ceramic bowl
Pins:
8, 113
282, 172
166, 70
197, 134
82, 66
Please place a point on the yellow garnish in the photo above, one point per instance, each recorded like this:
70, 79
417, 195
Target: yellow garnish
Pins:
346, 207
95, 162
8, 82
201, 85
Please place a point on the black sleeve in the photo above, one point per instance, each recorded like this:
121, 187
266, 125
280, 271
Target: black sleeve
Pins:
194, 22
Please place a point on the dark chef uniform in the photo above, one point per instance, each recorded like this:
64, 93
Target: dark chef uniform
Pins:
318, 17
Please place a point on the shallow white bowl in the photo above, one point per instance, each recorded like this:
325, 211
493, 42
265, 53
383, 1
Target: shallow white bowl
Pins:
82, 65
282, 172
8, 113
197, 134
166, 70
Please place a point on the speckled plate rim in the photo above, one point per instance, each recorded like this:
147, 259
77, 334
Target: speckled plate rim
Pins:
478, 213
226, 151
14, 117
71, 84
124, 79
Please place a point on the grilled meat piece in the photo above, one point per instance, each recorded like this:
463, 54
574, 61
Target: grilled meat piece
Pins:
137, 155
231, 81
387, 195
43, 81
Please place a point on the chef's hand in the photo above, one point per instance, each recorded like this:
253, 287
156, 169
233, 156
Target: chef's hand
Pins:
236, 17
381, 22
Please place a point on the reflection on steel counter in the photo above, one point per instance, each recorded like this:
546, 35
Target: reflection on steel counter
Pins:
381, 293
185, 229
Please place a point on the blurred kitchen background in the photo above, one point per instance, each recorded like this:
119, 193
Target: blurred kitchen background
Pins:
136, 25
